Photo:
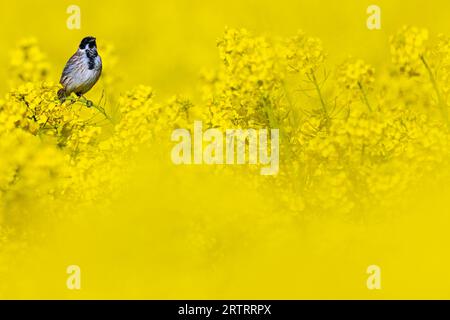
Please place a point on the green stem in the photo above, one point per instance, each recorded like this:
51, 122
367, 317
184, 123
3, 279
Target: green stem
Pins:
269, 113
364, 95
102, 111
319, 93
89, 104
441, 102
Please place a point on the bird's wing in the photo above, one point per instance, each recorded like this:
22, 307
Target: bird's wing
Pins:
71, 64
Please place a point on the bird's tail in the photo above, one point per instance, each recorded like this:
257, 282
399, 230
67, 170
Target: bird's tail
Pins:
62, 95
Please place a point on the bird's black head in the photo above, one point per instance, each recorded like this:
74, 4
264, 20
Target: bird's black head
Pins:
88, 42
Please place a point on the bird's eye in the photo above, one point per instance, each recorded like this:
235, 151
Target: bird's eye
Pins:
91, 45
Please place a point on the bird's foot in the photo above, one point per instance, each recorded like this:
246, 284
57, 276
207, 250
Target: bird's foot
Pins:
88, 102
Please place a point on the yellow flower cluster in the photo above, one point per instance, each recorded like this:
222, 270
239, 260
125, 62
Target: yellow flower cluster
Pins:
31, 172
440, 60
355, 79
244, 90
408, 47
28, 63
304, 54
33, 107
338, 156
412, 53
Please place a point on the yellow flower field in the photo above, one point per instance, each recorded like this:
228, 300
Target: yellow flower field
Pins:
364, 124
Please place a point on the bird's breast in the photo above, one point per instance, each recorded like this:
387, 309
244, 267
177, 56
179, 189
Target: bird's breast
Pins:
82, 74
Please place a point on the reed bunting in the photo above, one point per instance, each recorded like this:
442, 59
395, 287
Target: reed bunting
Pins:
82, 70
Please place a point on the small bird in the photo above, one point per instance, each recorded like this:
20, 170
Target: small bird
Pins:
82, 70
